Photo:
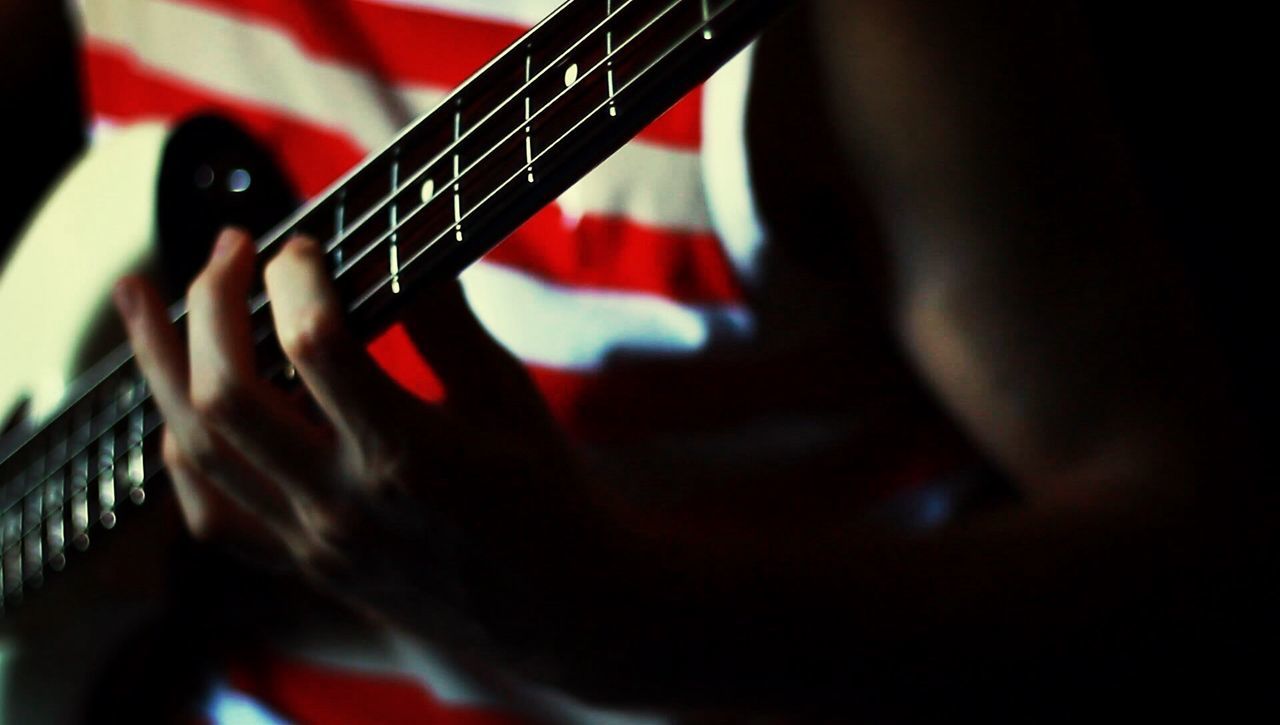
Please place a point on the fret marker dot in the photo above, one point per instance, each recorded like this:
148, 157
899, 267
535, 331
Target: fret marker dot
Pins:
571, 75
428, 190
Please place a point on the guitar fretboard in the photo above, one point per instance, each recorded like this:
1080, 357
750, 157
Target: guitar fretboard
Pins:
449, 188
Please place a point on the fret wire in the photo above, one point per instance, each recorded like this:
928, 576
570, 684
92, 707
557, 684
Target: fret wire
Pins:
368, 248
122, 356
339, 214
84, 433
107, 483
260, 301
528, 129
263, 302
393, 251
137, 463
363, 299
78, 470
380, 204
152, 429
104, 468
427, 247
54, 490
55, 521
503, 104
78, 496
11, 565
457, 178
33, 539
608, 51
72, 457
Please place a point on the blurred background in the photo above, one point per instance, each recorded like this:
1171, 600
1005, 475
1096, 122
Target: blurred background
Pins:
1188, 82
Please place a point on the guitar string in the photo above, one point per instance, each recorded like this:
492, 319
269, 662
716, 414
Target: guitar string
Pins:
146, 396
260, 301
387, 279
178, 310
384, 204
148, 430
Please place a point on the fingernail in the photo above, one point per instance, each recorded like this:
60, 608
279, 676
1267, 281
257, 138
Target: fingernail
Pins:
125, 296
227, 241
304, 244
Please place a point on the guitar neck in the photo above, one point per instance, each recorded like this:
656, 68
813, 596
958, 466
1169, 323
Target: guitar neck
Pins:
450, 187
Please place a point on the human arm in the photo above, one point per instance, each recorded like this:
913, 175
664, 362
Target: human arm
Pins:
851, 590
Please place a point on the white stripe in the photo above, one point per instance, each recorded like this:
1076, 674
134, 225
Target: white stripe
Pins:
649, 183
457, 681
226, 706
517, 12
729, 188
646, 183
258, 64
573, 329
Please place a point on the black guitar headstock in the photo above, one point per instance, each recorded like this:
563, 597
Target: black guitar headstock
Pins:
213, 175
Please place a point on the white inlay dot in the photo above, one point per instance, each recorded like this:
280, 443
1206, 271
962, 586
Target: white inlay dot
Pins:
428, 190
571, 74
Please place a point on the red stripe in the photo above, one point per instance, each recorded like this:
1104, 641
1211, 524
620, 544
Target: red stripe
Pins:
618, 254
397, 354
309, 693
121, 88
608, 253
420, 46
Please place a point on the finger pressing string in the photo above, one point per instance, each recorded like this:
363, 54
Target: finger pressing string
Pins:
216, 316
348, 386
158, 351
161, 358
254, 418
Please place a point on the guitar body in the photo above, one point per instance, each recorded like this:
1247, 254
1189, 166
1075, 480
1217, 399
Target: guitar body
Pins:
105, 220
63, 266
77, 440
143, 199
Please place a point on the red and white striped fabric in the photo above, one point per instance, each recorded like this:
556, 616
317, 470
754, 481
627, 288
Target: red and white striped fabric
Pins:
627, 263
646, 261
